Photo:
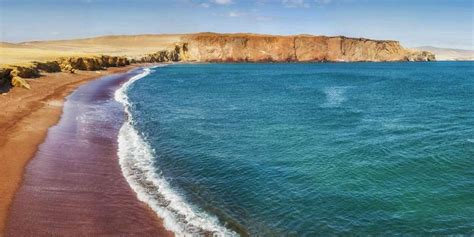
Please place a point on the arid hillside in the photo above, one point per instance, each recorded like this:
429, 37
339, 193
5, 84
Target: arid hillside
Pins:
130, 46
449, 54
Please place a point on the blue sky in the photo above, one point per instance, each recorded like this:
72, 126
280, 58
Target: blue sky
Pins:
442, 23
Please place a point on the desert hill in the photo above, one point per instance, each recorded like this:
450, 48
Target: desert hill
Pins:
449, 54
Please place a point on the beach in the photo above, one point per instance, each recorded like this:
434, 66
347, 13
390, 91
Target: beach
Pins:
27, 115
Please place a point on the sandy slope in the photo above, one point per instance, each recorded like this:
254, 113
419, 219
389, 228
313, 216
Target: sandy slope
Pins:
449, 54
139, 45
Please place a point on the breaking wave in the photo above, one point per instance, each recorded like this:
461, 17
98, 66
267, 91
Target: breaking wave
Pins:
137, 164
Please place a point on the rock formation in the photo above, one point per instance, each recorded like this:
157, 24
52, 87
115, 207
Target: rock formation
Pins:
210, 47
5, 77
49, 66
24, 72
178, 53
14, 75
92, 63
20, 82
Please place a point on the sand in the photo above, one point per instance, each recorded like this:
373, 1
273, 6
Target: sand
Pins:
25, 118
131, 46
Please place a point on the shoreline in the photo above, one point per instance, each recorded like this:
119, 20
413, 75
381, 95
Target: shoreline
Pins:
136, 158
26, 121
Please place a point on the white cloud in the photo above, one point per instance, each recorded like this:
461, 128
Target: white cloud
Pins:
246, 15
295, 3
323, 1
234, 14
223, 2
205, 5
263, 18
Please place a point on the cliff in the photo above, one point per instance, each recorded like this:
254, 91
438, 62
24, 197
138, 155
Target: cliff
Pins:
210, 47
28, 60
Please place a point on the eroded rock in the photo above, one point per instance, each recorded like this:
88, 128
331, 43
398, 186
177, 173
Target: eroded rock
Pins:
50, 66
25, 72
20, 82
5, 77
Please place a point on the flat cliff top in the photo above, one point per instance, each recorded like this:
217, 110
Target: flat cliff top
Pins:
253, 35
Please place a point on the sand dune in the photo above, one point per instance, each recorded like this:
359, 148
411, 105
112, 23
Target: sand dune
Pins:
131, 46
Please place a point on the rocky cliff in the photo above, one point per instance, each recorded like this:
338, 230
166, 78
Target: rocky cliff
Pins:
210, 47
14, 75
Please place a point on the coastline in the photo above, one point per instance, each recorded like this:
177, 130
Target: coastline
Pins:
136, 159
24, 124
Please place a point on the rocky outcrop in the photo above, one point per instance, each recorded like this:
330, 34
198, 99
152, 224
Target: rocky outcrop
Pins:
415, 56
70, 64
5, 77
20, 82
24, 71
50, 66
210, 47
14, 75
178, 53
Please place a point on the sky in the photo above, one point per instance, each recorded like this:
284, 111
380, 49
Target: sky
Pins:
439, 23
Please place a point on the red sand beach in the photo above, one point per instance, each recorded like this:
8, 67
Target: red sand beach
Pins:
73, 184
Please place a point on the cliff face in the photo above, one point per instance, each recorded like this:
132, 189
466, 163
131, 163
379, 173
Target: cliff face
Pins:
209, 47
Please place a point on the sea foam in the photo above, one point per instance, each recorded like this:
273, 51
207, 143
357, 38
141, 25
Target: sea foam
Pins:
335, 96
137, 164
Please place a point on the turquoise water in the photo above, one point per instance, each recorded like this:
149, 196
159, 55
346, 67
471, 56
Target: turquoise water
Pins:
316, 149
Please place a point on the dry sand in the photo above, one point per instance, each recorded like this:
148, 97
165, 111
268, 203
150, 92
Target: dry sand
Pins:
131, 46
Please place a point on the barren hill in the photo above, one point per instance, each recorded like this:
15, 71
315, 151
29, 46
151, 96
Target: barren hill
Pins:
449, 54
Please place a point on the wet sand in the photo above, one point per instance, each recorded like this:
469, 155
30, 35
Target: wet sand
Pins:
74, 185
25, 118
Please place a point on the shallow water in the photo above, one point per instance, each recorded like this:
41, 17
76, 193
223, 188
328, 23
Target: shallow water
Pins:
311, 149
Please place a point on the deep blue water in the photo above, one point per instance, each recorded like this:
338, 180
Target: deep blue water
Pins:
316, 149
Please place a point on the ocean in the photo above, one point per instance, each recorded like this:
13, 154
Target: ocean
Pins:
305, 149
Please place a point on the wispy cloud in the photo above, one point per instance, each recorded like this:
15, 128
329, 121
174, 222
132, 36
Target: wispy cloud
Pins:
322, 1
251, 14
223, 2
295, 3
235, 14
264, 18
205, 5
